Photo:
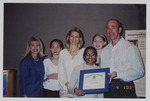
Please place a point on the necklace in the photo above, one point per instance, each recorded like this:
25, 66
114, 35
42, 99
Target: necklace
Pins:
73, 52
36, 59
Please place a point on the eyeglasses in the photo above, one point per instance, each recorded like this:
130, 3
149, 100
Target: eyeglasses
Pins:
92, 54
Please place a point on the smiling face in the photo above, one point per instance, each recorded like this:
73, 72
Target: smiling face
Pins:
113, 31
34, 48
74, 38
98, 43
55, 48
90, 57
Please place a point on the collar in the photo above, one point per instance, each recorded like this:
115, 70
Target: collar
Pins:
118, 43
88, 66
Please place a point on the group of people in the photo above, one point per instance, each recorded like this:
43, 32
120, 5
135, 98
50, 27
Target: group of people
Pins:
58, 75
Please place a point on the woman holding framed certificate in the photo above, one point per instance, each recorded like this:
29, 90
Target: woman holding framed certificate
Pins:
70, 57
90, 56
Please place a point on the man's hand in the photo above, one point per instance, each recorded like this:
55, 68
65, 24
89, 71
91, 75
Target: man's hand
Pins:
112, 75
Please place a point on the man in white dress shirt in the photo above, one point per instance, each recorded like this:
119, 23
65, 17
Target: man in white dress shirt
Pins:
124, 61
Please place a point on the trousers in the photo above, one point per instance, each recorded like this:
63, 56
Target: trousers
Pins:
50, 93
121, 89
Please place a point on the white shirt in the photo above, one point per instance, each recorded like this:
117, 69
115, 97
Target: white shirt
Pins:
50, 68
124, 58
67, 64
75, 81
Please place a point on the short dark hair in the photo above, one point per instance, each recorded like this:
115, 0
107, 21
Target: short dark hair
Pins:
87, 48
119, 24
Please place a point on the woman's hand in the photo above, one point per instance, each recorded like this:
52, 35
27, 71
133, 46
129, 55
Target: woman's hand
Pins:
52, 76
24, 95
67, 84
79, 92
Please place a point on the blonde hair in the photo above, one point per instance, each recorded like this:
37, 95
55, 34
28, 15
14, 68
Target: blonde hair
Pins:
28, 51
81, 38
102, 36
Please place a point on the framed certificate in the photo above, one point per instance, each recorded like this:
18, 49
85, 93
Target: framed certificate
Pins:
94, 80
